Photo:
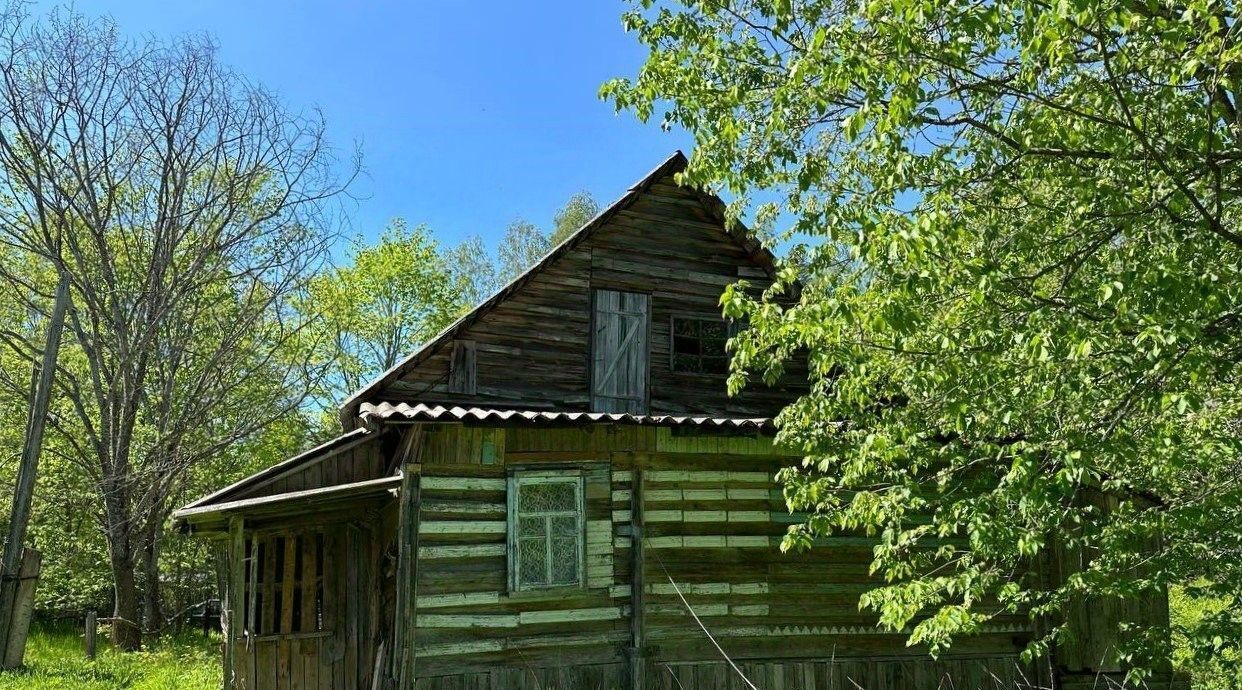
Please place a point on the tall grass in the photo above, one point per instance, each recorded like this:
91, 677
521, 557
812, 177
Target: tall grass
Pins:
55, 661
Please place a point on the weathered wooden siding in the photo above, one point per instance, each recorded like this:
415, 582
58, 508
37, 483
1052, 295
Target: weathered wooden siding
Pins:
843, 673
466, 619
712, 530
712, 521
532, 350
359, 463
276, 654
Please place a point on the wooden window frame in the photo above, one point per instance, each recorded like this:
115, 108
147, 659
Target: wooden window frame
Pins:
731, 329
519, 477
256, 542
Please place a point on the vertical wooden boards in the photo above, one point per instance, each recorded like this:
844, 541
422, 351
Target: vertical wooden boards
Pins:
288, 583
353, 604
408, 566
459, 445
309, 582
638, 640
234, 631
620, 322
268, 617
462, 378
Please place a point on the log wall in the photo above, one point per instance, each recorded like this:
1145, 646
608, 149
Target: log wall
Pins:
711, 525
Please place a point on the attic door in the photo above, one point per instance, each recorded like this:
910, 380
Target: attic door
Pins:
619, 351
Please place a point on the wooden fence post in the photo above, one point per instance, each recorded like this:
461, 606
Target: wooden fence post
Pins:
92, 625
23, 607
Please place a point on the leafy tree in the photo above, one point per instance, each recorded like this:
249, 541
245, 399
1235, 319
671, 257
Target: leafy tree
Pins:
1041, 294
473, 267
580, 208
378, 307
186, 205
522, 245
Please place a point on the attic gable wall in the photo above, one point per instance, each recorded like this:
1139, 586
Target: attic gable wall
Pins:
533, 348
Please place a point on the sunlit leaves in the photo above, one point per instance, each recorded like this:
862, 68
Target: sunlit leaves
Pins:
1012, 225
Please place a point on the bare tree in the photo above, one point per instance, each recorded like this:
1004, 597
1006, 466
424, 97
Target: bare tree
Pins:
188, 207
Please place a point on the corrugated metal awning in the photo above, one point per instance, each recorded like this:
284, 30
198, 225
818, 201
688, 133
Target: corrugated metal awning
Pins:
404, 412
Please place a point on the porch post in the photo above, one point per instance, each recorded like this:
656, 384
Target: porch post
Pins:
234, 605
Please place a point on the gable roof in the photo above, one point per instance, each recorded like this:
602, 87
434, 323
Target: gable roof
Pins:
675, 163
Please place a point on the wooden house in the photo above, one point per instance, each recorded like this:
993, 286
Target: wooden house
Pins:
557, 493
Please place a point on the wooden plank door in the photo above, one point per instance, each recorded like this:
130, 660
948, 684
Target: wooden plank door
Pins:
620, 327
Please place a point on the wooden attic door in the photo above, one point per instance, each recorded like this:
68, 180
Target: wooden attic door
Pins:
619, 335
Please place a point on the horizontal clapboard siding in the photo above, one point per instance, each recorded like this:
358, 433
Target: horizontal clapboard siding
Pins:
713, 538
466, 616
714, 518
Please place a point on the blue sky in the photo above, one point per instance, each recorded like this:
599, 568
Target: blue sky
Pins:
469, 114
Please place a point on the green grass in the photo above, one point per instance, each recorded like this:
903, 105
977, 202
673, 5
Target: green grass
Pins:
55, 660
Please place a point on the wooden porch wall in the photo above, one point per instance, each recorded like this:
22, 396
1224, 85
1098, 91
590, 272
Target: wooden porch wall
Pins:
665, 244
340, 656
360, 463
712, 521
897, 673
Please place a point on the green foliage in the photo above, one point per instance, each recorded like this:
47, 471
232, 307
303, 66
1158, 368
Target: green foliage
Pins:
523, 244
472, 265
55, 660
1022, 281
1189, 614
580, 208
390, 297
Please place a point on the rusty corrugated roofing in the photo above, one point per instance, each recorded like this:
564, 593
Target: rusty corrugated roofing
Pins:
385, 411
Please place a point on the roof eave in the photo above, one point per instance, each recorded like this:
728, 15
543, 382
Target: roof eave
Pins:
336, 445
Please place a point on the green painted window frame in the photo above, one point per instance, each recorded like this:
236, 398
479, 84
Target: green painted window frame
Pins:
516, 480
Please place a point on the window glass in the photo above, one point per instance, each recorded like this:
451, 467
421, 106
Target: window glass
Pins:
548, 531
699, 346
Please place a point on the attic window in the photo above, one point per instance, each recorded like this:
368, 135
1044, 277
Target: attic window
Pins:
698, 346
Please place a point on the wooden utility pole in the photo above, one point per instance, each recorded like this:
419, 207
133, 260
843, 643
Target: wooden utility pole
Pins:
23, 494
